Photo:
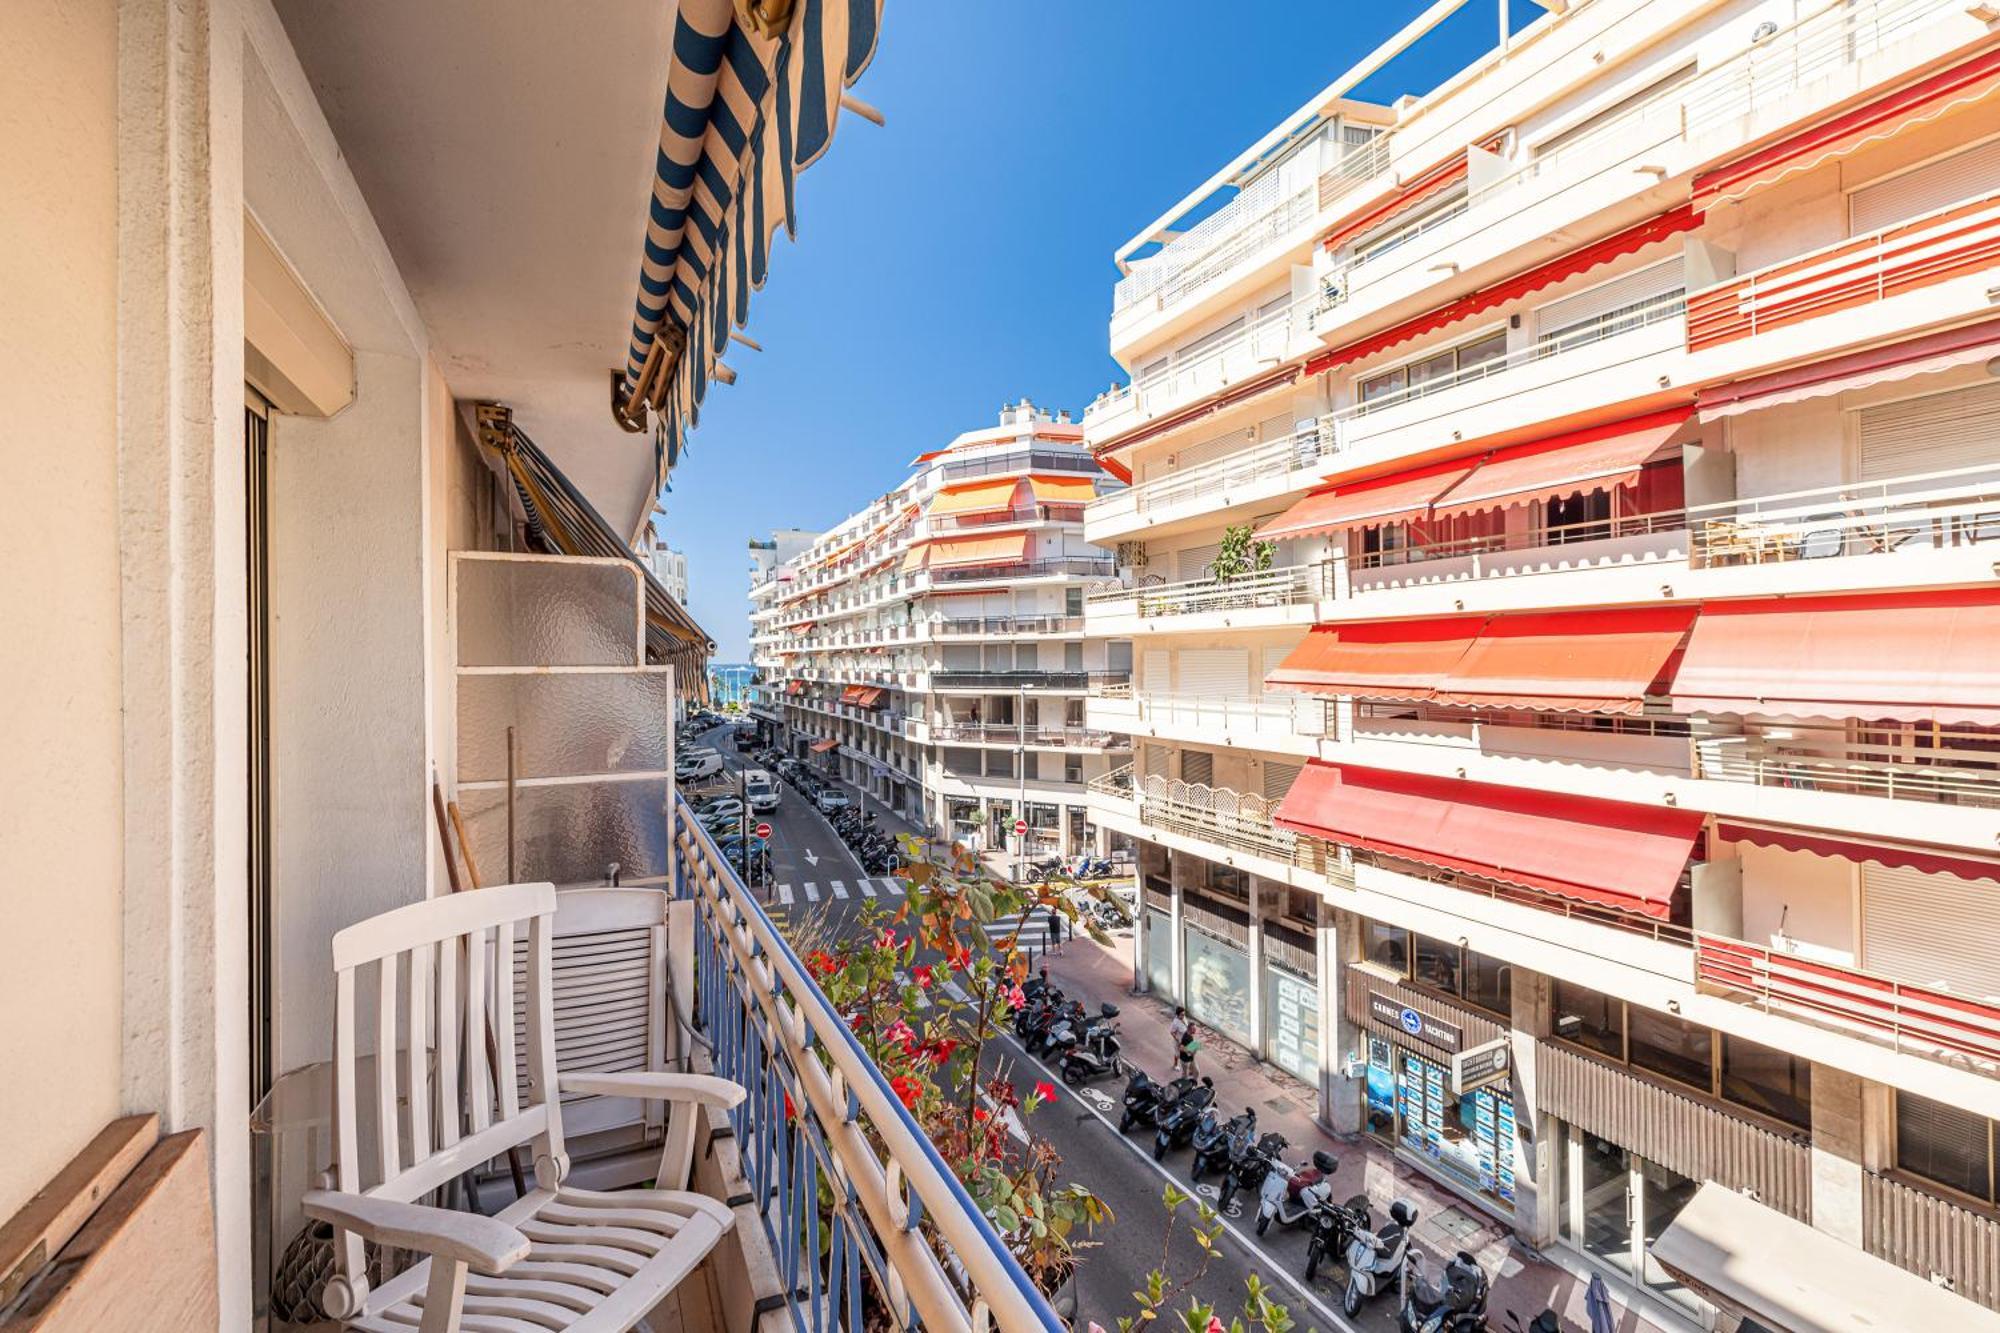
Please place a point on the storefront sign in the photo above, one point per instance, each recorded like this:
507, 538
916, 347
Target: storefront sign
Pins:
1414, 1023
1481, 1065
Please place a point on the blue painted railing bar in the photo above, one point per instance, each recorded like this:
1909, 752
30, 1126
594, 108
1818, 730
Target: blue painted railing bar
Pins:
826, 1143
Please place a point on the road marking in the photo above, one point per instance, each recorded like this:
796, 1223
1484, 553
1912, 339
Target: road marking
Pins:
893, 886
955, 991
785, 894
1259, 1257
839, 889
812, 893
867, 889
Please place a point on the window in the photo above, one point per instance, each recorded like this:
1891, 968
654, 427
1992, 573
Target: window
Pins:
1593, 1021
1072, 601
1590, 126
1387, 946
1489, 984
1775, 1082
1072, 768
1439, 370
1435, 964
1663, 1044
1944, 1144
1072, 657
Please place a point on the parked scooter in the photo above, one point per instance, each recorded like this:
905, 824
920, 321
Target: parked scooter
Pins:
1062, 1031
1334, 1227
1142, 1098
1176, 1120
1375, 1258
1213, 1136
1290, 1194
1096, 1056
1457, 1304
1248, 1168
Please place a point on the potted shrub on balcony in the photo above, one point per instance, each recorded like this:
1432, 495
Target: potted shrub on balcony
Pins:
1239, 556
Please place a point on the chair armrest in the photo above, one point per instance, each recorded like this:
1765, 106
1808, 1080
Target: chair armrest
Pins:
483, 1244
704, 1089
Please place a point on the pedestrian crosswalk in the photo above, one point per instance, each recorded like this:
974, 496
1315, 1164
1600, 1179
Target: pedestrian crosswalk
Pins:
1034, 932
882, 886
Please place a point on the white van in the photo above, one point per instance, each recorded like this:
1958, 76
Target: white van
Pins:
760, 791
695, 767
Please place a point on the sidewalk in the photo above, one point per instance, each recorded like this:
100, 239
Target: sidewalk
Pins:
1522, 1282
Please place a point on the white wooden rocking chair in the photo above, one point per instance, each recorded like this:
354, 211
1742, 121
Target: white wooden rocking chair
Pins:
559, 1258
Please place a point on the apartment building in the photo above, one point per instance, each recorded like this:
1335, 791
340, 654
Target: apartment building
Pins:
929, 648
1560, 556
771, 578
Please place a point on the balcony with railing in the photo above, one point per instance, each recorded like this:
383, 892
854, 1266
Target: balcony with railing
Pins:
1002, 681
1003, 518
1201, 368
1960, 241
980, 627
1033, 736
1275, 590
1277, 721
1058, 566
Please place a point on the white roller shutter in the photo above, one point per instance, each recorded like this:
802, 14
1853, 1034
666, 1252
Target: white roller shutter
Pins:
1156, 677
1193, 563
1934, 433
1155, 757
1619, 293
1913, 928
1216, 673
1207, 451
1198, 766
1963, 175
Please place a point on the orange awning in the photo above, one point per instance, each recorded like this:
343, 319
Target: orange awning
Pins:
1063, 490
1400, 495
821, 747
978, 497
1446, 173
1569, 661
1011, 549
914, 558
1610, 852
1907, 656
870, 697
1839, 136
1377, 659
1595, 459
852, 694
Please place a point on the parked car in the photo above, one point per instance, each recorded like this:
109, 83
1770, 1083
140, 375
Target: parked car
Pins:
831, 798
698, 766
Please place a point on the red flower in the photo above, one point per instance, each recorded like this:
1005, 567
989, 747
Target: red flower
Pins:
887, 938
791, 1112
979, 1114
1016, 997
821, 964
942, 1048
1215, 1325
907, 1089
1046, 1091
958, 955
922, 973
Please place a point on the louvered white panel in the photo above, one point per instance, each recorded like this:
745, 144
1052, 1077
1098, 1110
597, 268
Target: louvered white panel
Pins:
1216, 673
1207, 451
1193, 563
1963, 175
1156, 676
1278, 778
1155, 757
1626, 290
1275, 427
603, 1000
1934, 433
1913, 928
1198, 766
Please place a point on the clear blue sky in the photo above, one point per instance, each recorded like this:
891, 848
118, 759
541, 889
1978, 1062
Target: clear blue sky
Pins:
961, 257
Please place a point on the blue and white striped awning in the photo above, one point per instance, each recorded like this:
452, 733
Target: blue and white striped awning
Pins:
753, 91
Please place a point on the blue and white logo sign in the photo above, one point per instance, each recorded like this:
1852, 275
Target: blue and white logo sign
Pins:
1390, 1011
1413, 1022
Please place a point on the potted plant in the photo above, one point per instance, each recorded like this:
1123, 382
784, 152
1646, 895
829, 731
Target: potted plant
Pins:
1241, 554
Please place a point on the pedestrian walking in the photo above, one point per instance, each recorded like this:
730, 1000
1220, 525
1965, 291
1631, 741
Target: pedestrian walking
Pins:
1182, 1032
1055, 932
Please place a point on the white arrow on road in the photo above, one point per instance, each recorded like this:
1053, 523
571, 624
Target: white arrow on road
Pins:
811, 859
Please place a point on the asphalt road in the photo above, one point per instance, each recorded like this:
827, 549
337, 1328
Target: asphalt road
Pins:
1081, 1124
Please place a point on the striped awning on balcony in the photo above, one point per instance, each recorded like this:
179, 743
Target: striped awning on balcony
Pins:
1063, 490
821, 747
1928, 860
975, 497
753, 95
1395, 498
1011, 549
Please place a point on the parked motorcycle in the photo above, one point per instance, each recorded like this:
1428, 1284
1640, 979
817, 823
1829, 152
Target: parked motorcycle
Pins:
1176, 1120
1213, 1137
1097, 1054
1033, 1018
1248, 1167
1334, 1227
1142, 1098
1289, 1194
1457, 1304
1062, 1031
1375, 1258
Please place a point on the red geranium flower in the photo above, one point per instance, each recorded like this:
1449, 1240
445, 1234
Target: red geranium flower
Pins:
922, 973
907, 1089
1046, 1091
979, 1114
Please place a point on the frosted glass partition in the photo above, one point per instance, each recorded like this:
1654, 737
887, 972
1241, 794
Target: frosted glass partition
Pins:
526, 611
553, 648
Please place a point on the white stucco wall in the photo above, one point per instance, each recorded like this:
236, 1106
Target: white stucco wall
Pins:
61, 856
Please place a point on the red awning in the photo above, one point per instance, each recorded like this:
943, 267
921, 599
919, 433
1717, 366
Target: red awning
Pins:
1837, 137
1612, 247
1569, 661
1445, 174
1908, 656
1595, 459
821, 747
852, 694
795, 687
1400, 495
1377, 659
870, 697
1857, 370
1115, 468
1613, 853
1930, 862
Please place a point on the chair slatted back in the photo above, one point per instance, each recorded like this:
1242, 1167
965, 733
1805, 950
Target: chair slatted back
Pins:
449, 1089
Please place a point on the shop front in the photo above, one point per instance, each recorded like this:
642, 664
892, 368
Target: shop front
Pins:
1216, 936
1158, 924
1291, 1001
1439, 1086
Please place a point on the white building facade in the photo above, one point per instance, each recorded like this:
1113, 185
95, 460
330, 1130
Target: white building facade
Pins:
930, 648
1555, 560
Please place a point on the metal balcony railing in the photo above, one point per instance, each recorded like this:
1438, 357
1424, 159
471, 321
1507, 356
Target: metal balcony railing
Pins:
1116, 784
1005, 733
1806, 758
1916, 1019
1022, 569
1273, 714
1240, 821
1272, 587
902, 1235
1016, 680
981, 626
